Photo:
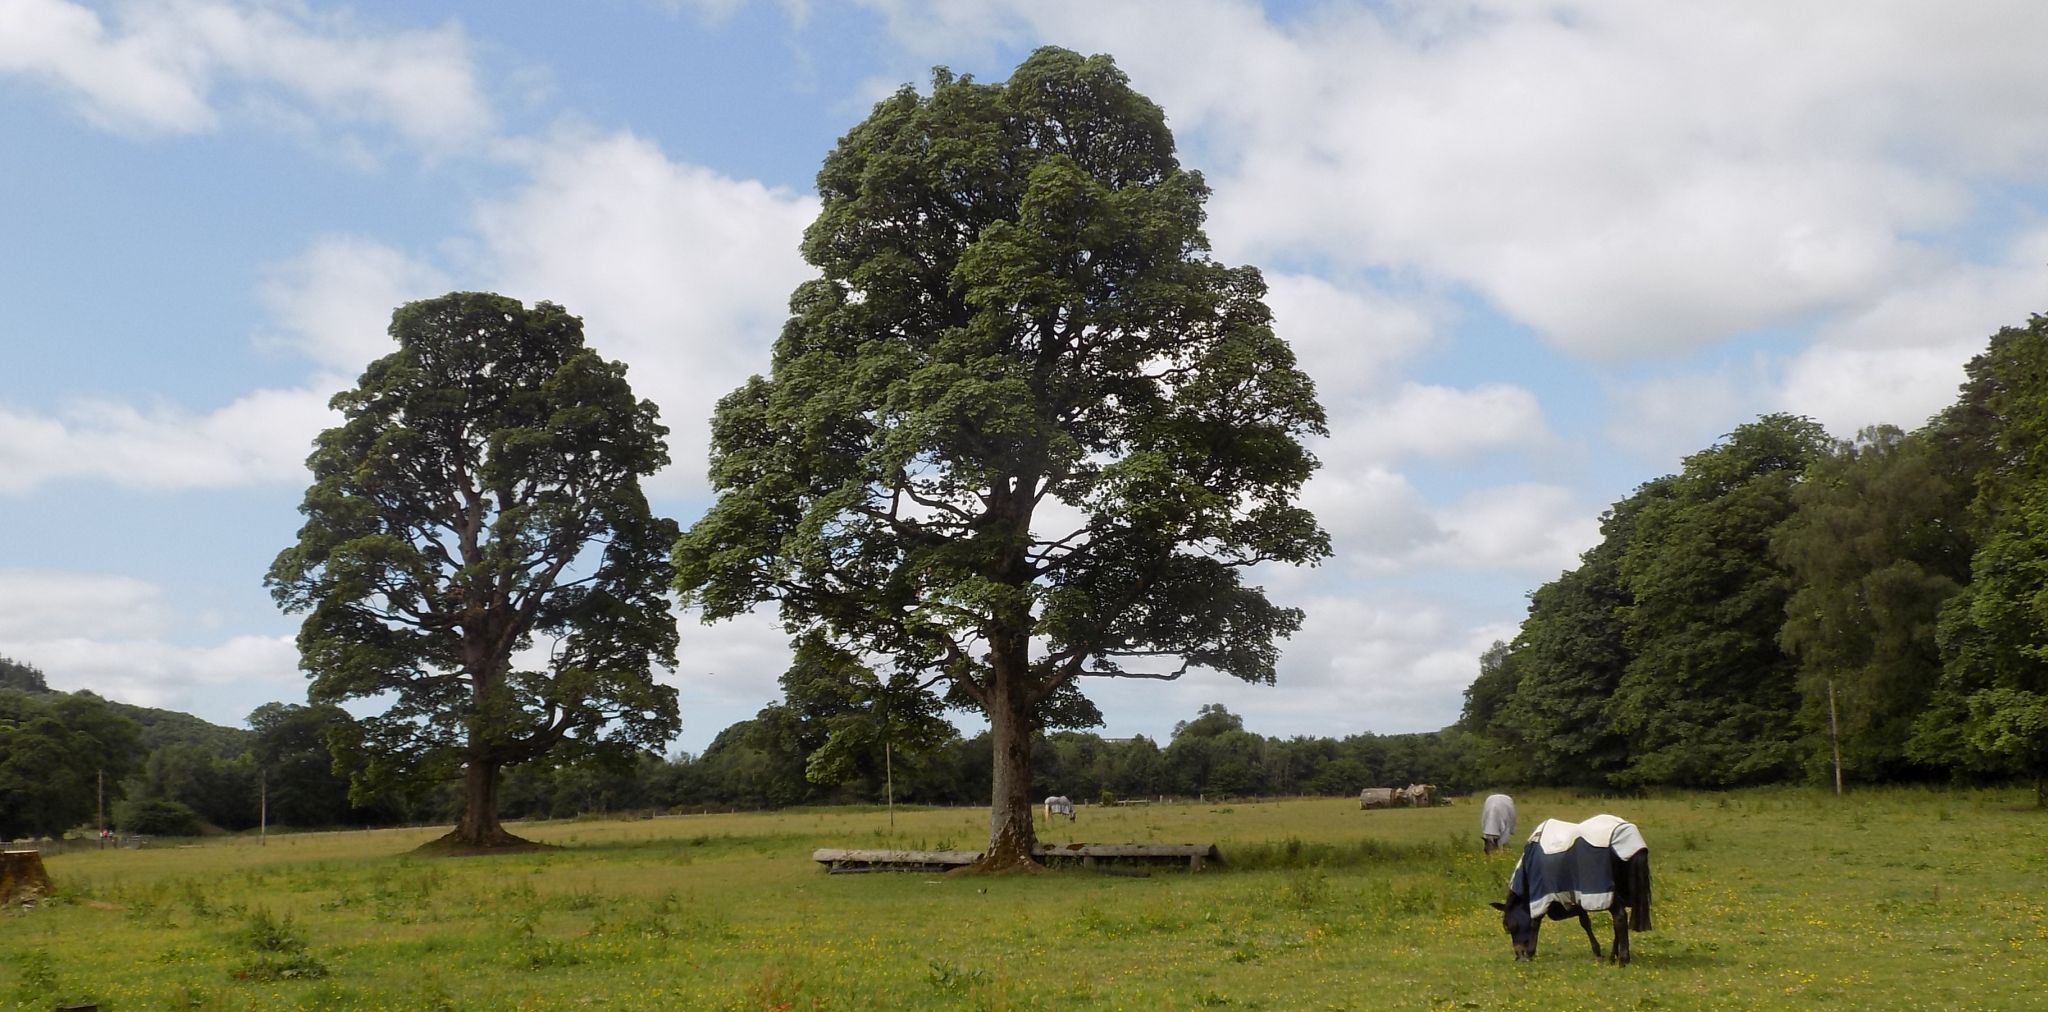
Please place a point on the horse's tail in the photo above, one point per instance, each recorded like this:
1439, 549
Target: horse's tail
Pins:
1639, 889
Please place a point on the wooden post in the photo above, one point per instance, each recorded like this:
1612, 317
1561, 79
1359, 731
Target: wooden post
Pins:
262, 808
889, 782
1834, 737
100, 808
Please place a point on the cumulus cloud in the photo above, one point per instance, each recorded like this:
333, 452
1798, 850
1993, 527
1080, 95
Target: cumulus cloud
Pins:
152, 672
172, 67
110, 634
683, 273
1351, 339
1387, 664
263, 437
334, 301
1442, 424
1900, 359
1632, 181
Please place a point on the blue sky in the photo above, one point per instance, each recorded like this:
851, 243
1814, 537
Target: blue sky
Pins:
1533, 253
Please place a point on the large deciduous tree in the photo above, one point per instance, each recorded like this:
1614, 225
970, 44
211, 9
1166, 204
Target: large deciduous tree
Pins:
1990, 711
1023, 428
1709, 699
482, 497
1879, 539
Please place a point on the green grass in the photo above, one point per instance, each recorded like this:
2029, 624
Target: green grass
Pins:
1781, 898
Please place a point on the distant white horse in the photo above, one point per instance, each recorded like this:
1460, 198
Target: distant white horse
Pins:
1059, 805
1497, 821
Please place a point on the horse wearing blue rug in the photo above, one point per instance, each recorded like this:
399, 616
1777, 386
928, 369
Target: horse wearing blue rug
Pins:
1570, 868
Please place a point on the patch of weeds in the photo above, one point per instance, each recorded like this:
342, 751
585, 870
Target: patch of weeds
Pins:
952, 979
190, 995
1210, 999
35, 976
581, 900
280, 951
548, 954
1306, 889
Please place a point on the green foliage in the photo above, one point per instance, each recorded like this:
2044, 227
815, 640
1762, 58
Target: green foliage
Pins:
1708, 697
1877, 544
1016, 309
53, 749
484, 490
21, 677
156, 817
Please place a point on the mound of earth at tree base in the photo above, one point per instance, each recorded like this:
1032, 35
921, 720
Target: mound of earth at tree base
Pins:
22, 877
453, 845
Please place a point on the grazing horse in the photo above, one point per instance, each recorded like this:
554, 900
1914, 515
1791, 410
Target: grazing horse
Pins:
1570, 868
1496, 821
1059, 805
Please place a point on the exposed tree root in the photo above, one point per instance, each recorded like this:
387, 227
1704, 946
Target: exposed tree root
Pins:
500, 842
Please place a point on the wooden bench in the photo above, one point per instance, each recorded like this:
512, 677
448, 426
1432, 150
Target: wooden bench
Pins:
1196, 856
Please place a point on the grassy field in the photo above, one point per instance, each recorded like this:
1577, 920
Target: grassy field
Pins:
1763, 899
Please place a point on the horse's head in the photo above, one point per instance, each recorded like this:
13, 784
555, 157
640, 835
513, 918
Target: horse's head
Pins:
1521, 928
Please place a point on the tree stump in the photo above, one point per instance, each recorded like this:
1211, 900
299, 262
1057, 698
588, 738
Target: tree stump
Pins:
22, 878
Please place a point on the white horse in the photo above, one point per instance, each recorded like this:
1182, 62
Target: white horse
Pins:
1059, 805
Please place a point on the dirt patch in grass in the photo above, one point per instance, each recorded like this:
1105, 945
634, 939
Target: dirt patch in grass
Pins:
453, 846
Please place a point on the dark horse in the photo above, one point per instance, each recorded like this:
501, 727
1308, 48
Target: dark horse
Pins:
1570, 868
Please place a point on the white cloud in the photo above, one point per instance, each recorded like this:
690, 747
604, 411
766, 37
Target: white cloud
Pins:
1901, 359
1362, 662
1629, 179
1441, 424
151, 672
1528, 528
334, 301
260, 438
1351, 340
171, 66
1659, 420
37, 604
109, 634
681, 272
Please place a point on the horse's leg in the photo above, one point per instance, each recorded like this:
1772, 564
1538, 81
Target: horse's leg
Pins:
1620, 956
1587, 923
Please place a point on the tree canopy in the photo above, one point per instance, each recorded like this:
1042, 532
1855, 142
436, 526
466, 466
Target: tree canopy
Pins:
1023, 429
478, 551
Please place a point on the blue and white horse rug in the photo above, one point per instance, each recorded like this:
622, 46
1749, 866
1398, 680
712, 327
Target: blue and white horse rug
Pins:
1571, 868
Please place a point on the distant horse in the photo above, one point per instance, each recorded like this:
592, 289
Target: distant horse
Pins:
1059, 805
1496, 821
1569, 868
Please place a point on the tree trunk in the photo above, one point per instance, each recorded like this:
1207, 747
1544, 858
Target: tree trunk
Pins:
1012, 838
479, 826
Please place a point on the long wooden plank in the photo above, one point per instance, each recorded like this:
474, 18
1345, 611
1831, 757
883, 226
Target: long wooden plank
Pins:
830, 855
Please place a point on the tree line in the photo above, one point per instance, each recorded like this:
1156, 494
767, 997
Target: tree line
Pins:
1787, 600
181, 776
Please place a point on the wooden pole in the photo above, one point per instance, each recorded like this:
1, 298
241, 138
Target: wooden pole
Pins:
262, 808
100, 808
889, 781
1834, 737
